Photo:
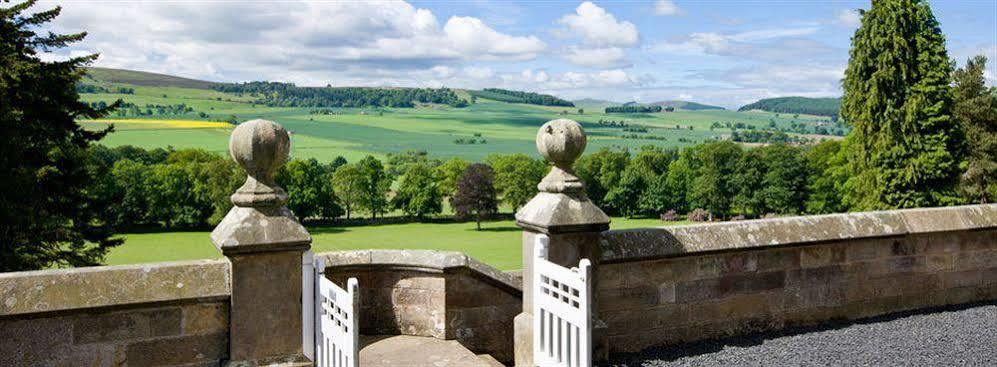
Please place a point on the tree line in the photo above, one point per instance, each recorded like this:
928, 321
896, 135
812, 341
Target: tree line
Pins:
634, 109
275, 94
90, 88
512, 96
804, 105
189, 188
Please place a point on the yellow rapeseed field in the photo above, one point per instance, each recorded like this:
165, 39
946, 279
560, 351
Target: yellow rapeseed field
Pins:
179, 124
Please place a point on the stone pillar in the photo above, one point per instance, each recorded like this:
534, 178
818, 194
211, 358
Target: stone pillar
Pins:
563, 212
264, 244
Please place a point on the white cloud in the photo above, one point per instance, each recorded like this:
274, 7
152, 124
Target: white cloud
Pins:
606, 57
849, 18
597, 27
305, 42
666, 7
771, 45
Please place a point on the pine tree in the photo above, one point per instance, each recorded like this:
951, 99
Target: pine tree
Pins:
47, 218
906, 145
976, 109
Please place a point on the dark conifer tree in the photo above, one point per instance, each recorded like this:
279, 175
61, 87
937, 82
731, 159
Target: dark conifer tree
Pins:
906, 145
976, 109
46, 213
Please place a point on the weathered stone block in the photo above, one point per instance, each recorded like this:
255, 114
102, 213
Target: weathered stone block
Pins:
205, 318
178, 350
815, 276
126, 325
627, 298
820, 256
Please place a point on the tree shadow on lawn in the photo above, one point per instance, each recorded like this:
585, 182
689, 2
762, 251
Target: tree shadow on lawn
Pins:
496, 229
327, 230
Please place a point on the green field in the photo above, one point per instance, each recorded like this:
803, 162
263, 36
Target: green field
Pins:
355, 132
497, 244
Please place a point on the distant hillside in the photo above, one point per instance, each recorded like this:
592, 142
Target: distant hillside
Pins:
594, 104
804, 105
275, 94
145, 78
686, 105
513, 96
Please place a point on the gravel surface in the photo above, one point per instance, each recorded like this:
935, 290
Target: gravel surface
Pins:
953, 337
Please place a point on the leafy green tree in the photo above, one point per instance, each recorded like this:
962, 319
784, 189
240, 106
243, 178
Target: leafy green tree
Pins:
747, 182
516, 177
173, 198
826, 168
475, 193
601, 171
907, 145
449, 173
47, 217
375, 186
132, 199
309, 188
976, 108
418, 192
224, 177
713, 188
348, 184
784, 181
625, 196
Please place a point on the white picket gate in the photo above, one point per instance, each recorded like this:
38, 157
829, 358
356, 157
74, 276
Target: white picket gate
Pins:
562, 311
335, 336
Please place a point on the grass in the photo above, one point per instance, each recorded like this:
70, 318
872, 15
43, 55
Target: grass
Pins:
355, 132
497, 244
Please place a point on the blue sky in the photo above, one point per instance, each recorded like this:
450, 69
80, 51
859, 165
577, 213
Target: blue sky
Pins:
720, 52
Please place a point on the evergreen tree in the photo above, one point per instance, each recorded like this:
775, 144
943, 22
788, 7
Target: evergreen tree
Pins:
976, 109
47, 217
906, 145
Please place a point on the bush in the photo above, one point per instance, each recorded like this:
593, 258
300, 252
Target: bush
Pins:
737, 218
669, 216
698, 215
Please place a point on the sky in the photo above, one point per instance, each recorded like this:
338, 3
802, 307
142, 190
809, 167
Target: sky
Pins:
727, 53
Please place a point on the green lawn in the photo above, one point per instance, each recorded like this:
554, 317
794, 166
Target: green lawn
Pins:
498, 243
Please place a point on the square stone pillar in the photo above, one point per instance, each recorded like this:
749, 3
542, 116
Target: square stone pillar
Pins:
563, 212
264, 243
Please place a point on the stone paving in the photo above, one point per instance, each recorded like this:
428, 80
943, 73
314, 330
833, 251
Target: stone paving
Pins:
953, 337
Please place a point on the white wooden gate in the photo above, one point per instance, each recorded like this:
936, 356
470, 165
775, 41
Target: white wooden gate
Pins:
336, 330
562, 311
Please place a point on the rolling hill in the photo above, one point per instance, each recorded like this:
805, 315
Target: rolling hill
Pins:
800, 105
145, 79
686, 105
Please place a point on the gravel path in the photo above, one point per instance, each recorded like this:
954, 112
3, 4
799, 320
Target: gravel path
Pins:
962, 337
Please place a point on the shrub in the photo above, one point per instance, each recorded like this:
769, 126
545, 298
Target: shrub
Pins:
669, 216
699, 215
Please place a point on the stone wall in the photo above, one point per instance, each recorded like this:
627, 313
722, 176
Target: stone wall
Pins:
681, 284
165, 314
446, 295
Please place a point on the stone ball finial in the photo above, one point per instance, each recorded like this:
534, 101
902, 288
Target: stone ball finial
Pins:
561, 141
260, 147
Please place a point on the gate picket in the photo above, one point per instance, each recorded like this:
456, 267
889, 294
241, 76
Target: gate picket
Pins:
562, 311
336, 323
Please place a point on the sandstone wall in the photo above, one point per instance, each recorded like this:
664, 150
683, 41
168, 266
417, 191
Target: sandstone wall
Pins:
681, 284
165, 314
446, 295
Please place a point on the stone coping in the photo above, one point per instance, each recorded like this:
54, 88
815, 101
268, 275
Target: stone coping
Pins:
106, 286
420, 259
647, 243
